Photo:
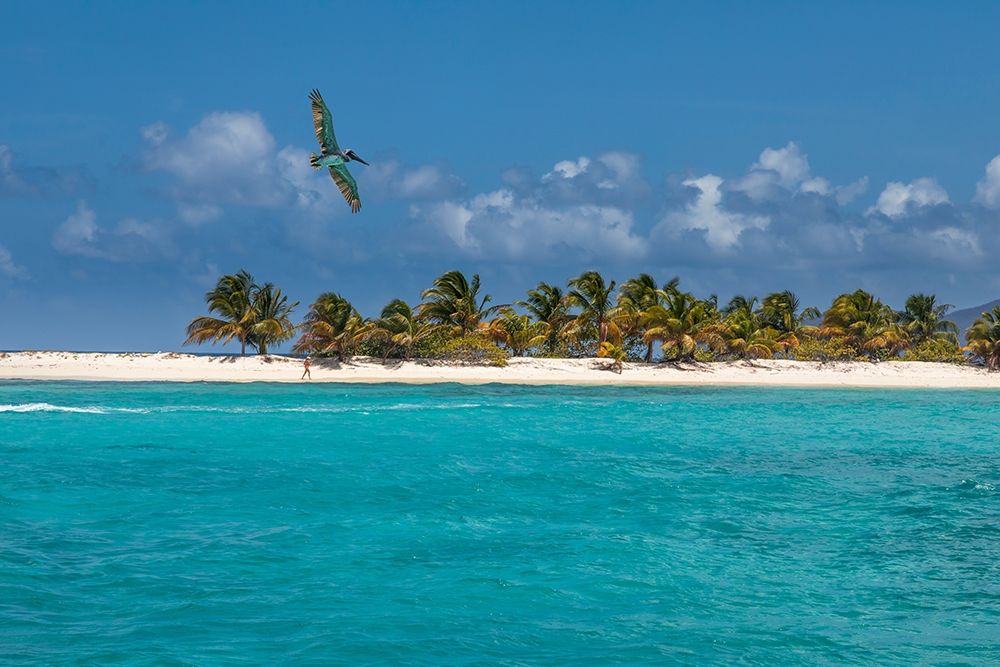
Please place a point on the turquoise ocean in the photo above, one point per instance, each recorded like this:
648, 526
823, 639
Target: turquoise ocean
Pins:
317, 524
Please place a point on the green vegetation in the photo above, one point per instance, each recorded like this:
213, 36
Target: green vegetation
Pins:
865, 324
636, 297
595, 300
454, 302
255, 315
616, 353
984, 339
470, 349
401, 328
935, 349
547, 304
924, 320
824, 350
638, 321
518, 333
332, 327
678, 322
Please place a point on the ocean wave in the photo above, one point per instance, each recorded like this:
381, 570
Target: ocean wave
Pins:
317, 409
976, 485
48, 407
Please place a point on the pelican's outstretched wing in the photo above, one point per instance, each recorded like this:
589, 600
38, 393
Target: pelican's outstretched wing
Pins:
346, 183
323, 122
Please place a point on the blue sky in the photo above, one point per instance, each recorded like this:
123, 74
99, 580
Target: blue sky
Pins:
144, 150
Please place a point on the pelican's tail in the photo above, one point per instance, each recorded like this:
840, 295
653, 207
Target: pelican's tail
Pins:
314, 161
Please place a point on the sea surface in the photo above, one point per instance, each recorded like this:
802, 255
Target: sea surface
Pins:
263, 524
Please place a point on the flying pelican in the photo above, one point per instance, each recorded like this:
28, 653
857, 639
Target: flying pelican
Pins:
330, 154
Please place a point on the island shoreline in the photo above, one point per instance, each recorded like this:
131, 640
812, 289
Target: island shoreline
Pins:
188, 368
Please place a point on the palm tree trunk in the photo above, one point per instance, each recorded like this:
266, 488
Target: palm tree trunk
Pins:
243, 346
649, 352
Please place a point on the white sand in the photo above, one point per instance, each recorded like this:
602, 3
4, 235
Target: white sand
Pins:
169, 366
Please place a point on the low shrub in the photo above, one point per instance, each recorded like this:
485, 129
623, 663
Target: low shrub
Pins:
823, 349
377, 347
472, 349
431, 347
705, 355
561, 352
935, 350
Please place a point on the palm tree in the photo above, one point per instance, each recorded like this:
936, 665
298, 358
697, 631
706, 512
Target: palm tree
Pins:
679, 323
864, 323
454, 301
254, 315
272, 318
547, 303
745, 334
614, 352
984, 338
332, 326
636, 296
780, 312
741, 305
400, 325
518, 332
592, 296
923, 319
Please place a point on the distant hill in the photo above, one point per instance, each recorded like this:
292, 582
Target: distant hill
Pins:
965, 317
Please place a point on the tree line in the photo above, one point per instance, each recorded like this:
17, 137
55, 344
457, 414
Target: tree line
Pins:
639, 320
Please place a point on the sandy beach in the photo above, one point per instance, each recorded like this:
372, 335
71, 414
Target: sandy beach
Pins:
175, 367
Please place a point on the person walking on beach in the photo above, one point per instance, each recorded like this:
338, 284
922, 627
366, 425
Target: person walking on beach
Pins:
306, 363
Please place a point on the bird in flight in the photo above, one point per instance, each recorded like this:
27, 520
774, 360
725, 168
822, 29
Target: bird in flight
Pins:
330, 154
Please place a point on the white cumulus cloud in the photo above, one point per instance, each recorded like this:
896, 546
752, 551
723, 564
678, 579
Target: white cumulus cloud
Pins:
898, 199
568, 168
722, 227
789, 163
228, 157
10, 181
131, 239
787, 170
954, 241
988, 189
391, 179
776, 169
845, 194
8, 268
522, 228
77, 234
819, 185
231, 158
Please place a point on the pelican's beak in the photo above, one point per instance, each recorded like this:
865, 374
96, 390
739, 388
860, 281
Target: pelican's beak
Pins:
358, 158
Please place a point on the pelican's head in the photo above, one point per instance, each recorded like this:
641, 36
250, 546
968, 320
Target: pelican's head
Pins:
354, 156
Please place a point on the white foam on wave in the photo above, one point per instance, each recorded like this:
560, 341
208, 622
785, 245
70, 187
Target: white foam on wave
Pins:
48, 407
427, 406
977, 486
106, 410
